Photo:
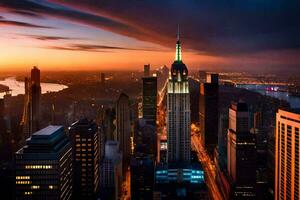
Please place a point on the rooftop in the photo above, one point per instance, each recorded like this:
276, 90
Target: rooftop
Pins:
49, 130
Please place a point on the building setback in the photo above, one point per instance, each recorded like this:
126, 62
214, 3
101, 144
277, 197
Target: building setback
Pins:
178, 111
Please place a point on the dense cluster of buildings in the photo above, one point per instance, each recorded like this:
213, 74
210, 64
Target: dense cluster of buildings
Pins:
93, 159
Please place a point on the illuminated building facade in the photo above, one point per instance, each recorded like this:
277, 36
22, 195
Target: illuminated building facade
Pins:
86, 159
287, 155
241, 153
44, 166
180, 181
150, 100
208, 112
178, 111
162, 149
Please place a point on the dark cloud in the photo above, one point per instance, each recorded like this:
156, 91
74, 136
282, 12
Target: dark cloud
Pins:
94, 48
59, 11
214, 27
27, 13
222, 27
48, 38
4, 22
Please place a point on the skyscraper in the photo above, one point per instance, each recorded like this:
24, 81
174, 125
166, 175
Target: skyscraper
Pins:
208, 112
26, 118
111, 172
142, 161
44, 166
178, 111
102, 79
3, 131
146, 70
86, 159
35, 91
150, 100
145, 140
2, 120
142, 177
31, 111
241, 153
287, 155
194, 88
123, 126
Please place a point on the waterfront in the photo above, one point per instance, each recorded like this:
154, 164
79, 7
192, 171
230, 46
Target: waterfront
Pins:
17, 87
264, 90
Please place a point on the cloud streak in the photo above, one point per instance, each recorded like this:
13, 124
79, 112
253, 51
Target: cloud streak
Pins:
94, 48
227, 28
4, 22
48, 38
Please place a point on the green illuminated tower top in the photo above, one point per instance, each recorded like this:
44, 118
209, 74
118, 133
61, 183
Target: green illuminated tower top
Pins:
179, 71
178, 48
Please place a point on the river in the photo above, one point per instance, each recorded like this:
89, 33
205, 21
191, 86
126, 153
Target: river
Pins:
17, 87
265, 90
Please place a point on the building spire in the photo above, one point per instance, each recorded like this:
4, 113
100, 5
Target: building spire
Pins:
178, 47
178, 33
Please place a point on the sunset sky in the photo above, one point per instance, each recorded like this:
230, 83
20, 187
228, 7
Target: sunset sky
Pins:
126, 34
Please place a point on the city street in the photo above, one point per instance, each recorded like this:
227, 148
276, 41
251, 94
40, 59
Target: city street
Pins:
126, 186
208, 167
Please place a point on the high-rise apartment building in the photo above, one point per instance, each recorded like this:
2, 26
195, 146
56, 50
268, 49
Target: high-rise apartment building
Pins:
150, 100
44, 166
123, 126
85, 143
241, 153
178, 111
287, 167
208, 112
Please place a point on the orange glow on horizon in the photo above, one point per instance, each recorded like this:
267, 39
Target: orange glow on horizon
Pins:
22, 55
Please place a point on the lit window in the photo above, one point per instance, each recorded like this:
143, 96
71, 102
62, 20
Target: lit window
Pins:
22, 177
28, 193
35, 187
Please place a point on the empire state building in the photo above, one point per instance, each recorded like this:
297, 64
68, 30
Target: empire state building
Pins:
178, 111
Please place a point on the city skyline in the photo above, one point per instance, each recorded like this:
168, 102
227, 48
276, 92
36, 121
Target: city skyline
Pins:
102, 100
75, 35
